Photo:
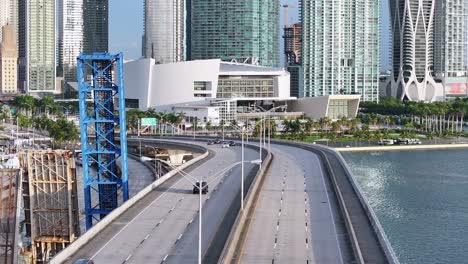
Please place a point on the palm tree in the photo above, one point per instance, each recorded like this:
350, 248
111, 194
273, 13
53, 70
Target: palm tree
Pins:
324, 122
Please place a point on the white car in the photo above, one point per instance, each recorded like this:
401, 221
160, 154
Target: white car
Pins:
225, 145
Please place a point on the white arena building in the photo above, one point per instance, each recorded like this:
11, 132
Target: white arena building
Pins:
214, 90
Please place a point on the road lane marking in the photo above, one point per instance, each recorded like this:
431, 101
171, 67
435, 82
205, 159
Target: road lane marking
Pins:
129, 223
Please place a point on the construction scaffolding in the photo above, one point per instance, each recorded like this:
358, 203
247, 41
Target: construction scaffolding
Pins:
50, 201
100, 123
9, 182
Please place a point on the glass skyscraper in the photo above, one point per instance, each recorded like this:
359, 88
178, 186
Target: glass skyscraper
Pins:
240, 30
69, 37
95, 26
164, 37
340, 51
413, 49
37, 45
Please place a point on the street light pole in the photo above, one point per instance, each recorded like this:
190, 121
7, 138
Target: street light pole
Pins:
260, 143
242, 174
200, 188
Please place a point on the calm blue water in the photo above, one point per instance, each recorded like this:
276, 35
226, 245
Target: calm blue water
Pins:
421, 200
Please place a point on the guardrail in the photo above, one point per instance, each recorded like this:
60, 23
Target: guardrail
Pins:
363, 250
90, 234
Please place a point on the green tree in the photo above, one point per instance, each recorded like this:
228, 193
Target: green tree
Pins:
23, 121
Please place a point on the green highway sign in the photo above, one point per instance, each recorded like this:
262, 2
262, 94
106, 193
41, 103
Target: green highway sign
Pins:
149, 121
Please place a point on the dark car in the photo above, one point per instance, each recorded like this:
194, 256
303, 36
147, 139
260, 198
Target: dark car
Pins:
204, 188
232, 143
84, 261
217, 141
210, 142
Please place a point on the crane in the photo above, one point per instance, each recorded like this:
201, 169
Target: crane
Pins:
286, 13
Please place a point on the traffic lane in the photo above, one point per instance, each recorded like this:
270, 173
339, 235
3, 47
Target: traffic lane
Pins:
173, 230
114, 240
214, 212
328, 239
160, 218
324, 232
278, 231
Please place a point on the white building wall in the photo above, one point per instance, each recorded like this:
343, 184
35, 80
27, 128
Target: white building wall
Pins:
137, 80
283, 86
173, 83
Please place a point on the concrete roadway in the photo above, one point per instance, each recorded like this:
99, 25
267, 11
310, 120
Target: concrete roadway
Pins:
296, 220
153, 230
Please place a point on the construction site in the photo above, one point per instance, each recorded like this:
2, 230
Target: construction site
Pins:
38, 206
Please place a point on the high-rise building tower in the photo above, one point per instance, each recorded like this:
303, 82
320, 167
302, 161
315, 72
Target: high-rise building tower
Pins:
8, 61
164, 38
240, 30
37, 45
9, 15
450, 46
95, 26
292, 50
413, 50
340, 51
69, 37
293, 44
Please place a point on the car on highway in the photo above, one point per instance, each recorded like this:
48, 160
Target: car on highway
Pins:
196, 187
217, 141
84, 261
210, 142
232, 143
225, 145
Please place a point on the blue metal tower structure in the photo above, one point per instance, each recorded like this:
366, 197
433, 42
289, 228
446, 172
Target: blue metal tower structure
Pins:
100, 78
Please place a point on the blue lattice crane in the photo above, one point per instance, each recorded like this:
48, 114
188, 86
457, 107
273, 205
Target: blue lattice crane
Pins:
100, 78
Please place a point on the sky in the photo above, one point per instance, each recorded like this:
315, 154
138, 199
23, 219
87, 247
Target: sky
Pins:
126, 28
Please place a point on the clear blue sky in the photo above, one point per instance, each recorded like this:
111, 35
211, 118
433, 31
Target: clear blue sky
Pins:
126, 27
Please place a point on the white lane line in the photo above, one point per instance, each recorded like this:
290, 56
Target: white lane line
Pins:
129, 223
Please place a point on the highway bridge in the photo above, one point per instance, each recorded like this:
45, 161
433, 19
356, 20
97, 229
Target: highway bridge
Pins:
306, 209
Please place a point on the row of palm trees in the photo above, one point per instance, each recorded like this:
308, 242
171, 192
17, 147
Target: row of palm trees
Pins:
436, 117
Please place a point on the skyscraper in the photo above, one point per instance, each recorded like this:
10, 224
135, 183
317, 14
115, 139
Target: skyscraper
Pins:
340, 51
95, 26
293, 43
69, 37
413, 50
37, 45
292, 49
241, 30
450, 44
164, 30
8, 61
9, 15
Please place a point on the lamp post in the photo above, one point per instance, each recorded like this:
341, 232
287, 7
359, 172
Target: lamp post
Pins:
191, 179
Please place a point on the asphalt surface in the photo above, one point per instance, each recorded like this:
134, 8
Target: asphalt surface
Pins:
140, 176
163, 226
296, 219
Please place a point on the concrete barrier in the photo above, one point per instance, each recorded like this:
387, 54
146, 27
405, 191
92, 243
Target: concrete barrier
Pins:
383, 239
402, 147
376, 226
90, 234
233, 248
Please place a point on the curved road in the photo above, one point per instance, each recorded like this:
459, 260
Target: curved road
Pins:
296, 220
162, 227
